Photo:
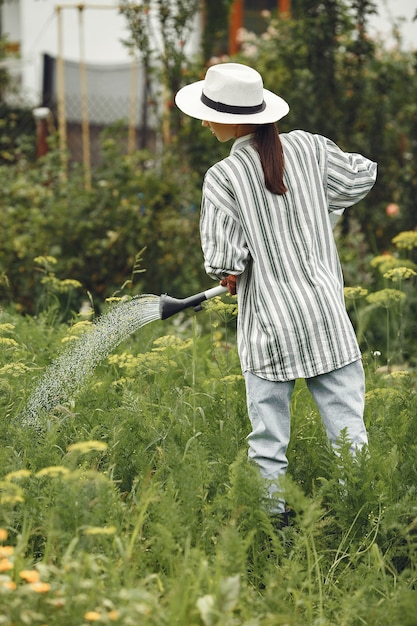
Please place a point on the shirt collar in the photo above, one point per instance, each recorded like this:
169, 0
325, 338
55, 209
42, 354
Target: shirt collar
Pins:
241, 142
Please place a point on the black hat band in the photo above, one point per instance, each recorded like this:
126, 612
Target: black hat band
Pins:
231, 108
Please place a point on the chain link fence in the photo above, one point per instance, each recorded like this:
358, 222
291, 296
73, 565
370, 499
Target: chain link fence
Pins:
91, 98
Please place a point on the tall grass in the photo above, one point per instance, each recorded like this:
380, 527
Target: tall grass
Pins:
135, 502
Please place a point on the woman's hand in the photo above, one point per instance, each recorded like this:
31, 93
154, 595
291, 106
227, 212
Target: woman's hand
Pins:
230, 283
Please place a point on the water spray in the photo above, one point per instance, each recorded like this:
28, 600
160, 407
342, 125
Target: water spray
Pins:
169, 306
73, 367
70, 370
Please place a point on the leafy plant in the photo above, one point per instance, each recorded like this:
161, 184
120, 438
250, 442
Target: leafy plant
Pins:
134, 501
96, 235
323, 53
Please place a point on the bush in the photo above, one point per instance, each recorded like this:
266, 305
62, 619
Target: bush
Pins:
341, 83
132, 501
136, 205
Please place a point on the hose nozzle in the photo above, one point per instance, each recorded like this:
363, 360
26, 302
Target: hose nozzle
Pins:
169, 306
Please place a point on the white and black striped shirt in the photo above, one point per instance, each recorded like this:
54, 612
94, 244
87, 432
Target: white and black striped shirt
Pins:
292, 320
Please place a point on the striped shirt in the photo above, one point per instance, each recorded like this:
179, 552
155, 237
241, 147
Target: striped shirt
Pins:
292, 320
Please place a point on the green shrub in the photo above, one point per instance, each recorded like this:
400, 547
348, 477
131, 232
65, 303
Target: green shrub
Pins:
137, 206
133, 501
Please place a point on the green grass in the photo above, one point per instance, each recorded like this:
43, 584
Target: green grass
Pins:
135, 504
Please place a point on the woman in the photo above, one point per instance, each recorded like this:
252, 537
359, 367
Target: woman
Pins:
266, 233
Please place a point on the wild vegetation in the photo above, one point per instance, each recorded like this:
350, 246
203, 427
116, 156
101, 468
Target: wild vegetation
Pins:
132, 501
151, 199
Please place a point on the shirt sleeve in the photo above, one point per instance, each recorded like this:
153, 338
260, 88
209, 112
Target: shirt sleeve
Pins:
350, 176
222, 239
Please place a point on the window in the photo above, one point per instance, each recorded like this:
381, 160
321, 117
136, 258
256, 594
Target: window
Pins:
248, 14
252, 14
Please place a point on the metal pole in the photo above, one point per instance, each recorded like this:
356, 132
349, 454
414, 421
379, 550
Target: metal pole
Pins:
62, 122
41, 115
132, 113
84, 103
83, 78
81, 6
285, 8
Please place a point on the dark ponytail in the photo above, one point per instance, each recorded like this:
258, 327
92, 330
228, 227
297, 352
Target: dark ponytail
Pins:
269, 147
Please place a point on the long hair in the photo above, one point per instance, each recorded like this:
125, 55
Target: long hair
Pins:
269, 147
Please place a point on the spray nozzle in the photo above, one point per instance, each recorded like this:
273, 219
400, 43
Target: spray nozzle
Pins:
169, 306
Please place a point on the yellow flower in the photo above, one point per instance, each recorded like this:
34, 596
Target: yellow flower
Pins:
225, 311
87, 446
384, 262
7, 341
67, 283
171, 341
399, 274
149, 363
30, 575
3, 532
61, 286
10, 493
407, 240
126, 359
100, 530
45, 260
113, 615
383, 396
14, 369
354, 293
12, 499
386, 297
399, 375
81, 326
232, 378
68, 338
92, 616
112, 299
8, 584
53, 470
6, 551
23, 473
6, 326
122, 381
5, 565
40, 587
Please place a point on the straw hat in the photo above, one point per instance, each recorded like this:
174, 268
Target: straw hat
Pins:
231, 93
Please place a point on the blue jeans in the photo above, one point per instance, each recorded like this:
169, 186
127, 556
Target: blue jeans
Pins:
340, 399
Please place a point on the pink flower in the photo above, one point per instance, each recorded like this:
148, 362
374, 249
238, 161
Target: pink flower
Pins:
392, 209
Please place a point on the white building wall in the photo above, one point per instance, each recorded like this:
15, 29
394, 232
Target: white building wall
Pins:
34, 23
35, 26
11, 16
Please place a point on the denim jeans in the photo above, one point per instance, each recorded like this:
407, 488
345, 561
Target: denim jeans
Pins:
339, 396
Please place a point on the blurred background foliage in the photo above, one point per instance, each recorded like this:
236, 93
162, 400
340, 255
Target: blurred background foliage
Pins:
136, 228
135, 205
